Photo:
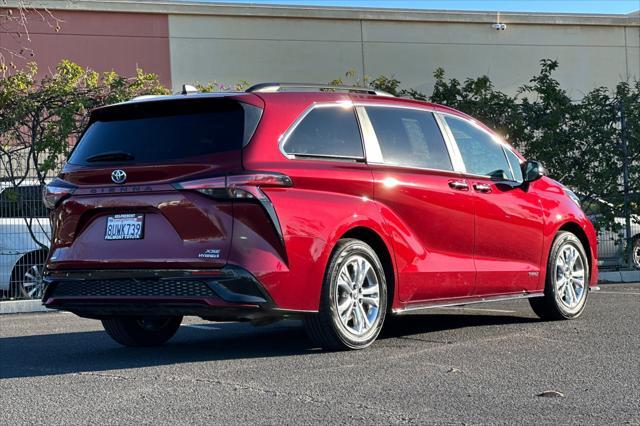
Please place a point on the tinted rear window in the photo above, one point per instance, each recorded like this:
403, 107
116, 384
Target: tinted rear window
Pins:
160, 131
327, 132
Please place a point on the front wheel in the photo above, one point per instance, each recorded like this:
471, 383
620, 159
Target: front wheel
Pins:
142, 331
567, 284
354, 299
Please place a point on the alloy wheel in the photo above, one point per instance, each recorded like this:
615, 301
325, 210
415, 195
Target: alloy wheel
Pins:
570, 276
32, 285
636, 253
357, 296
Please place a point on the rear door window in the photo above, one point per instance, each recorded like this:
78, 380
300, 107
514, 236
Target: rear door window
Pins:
481, 153
161, 131
409, 137
326, 132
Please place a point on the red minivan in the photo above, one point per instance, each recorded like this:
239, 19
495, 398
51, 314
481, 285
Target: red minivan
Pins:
338, 206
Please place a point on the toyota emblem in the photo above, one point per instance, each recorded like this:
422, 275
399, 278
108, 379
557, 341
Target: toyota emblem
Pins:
118, 176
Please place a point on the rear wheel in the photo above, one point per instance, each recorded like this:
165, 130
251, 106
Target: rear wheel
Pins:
354, 299
142, 331
567, 285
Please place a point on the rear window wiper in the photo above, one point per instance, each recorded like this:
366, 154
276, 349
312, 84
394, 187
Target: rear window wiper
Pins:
111, 156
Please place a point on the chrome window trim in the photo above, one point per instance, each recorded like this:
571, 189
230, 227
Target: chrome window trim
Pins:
326, 157
372, 151
452, 145
282, 140
371, 145
420, 169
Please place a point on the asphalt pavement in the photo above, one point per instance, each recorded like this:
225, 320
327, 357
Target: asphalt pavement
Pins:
481, 364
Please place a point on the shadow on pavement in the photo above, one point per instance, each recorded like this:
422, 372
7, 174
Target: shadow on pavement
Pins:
403, 326
94, 351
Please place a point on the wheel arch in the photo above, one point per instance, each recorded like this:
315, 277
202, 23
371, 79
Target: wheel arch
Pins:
373, 239
576, 230
30, 256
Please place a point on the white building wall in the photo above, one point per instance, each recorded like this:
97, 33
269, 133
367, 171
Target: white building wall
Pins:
233, 48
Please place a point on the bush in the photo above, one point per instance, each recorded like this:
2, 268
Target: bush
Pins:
41, 119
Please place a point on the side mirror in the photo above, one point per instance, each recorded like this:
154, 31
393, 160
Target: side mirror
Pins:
532, 170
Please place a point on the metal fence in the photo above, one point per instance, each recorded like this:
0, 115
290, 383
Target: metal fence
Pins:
24, 238
613, 249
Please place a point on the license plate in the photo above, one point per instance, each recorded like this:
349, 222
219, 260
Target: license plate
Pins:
124, 227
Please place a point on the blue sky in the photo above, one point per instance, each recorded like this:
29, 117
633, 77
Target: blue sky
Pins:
568, 6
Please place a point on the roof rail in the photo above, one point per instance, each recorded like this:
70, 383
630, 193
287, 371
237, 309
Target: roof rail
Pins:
143, 97
282, 87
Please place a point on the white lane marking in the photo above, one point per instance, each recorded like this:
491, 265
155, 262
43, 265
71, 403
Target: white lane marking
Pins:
617, 292
201, 326
463, 308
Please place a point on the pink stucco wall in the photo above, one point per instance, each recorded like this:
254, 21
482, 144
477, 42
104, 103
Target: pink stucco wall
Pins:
102, 41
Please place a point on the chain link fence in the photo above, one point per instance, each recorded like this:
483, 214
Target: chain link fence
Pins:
25, 235
613, 250
25, 229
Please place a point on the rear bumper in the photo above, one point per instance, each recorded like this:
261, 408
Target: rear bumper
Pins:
227, 293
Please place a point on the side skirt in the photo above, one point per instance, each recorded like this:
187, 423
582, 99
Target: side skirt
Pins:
463, 301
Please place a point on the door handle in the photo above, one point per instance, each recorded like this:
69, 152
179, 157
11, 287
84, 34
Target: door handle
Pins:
460, 185
482, 187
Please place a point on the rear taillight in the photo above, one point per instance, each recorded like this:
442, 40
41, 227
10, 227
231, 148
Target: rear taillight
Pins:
236, 186
56, 191
242, 186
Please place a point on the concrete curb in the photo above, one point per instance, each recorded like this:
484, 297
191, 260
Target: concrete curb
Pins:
619, 277
22, 306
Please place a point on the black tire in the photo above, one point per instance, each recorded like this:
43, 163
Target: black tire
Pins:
29, 269
635, 247
326, 328
142, 331
552, 305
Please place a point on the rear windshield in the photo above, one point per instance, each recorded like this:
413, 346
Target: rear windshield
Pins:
159, 131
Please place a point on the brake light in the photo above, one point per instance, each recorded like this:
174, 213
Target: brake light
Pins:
259, 179
56, 191
236, 186
242, 186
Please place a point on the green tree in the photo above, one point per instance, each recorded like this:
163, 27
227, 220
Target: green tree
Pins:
41, 119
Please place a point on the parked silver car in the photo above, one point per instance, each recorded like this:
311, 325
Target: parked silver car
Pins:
611, 245
24, 230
